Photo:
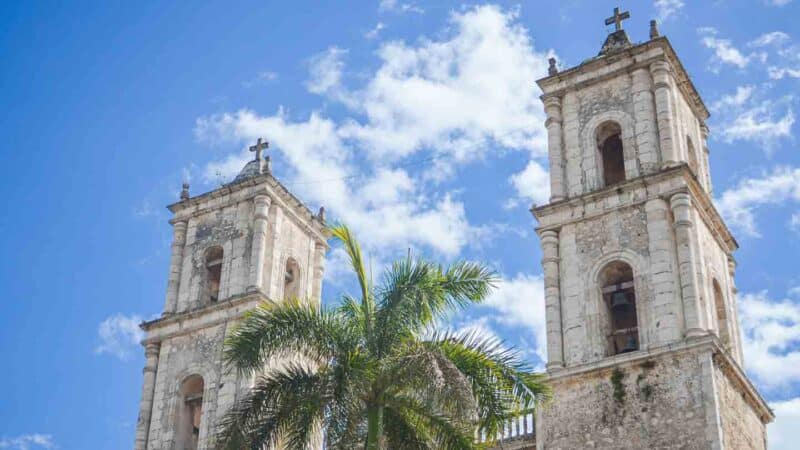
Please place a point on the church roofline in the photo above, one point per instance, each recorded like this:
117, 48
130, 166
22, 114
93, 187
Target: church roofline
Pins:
547, 84
278, 190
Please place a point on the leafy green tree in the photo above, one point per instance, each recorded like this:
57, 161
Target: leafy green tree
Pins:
372, 372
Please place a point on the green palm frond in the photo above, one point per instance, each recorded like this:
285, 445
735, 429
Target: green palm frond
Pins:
275, 329
285, 406
501, 381
353, 249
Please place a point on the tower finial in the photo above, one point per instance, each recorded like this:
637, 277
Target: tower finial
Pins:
654, 29
185, 191
260, 145
552, 70
617, 19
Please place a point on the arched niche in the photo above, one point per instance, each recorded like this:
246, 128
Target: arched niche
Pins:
189, 414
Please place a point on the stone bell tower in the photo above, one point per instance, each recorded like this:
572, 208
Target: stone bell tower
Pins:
243, 243
643, 341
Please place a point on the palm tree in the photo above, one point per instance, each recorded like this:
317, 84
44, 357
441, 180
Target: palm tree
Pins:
370, 373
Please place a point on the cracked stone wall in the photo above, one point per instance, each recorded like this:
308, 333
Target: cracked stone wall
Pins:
652, 404
199, 353
741, 427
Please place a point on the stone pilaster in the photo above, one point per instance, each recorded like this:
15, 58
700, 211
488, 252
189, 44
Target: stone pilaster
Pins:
175, 266
733, 314
319, 271
257, 254
665, 112
681, 205
645, 118
707, 169
662, 272
148, 389
552, 107
552, 300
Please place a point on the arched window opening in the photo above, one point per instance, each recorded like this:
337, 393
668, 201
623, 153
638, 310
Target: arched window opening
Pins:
190, 413
213, 263
609, 142
619, 299
291, 279
692, 154
722, 316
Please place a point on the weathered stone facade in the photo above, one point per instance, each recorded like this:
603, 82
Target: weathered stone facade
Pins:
267, 246
631, 237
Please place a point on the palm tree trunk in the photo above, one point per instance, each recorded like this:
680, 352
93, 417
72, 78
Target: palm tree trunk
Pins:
374, 427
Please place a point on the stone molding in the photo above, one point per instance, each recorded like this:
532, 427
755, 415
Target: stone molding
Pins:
709, 343
231, 194
627, 60
190, 321
662, 184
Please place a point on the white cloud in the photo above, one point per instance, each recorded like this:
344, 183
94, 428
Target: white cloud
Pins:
264, 77
119, 335
746, 116
375, 31
325, 71
778, 73
784, 434
724, 50
771, 38
760, 124
794, 222
667, 8
144, 210
399, 7
742, 94
434, 98
28, 442
439, 94
519, 302
738, 204
771, 338
532, 184
778, 2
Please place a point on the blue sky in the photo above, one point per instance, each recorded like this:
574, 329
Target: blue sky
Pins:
417, 123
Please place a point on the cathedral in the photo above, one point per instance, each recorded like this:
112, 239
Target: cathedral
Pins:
643, 341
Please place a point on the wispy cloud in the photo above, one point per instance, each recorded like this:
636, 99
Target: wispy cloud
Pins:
519, 302
119, 335
749, 114
399, 7
724, 50
738, 204
262, 78
28, 442
666, 9
375, 31
771, 334
428, 109
771, 38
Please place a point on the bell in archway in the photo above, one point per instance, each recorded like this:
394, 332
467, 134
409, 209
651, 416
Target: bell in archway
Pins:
630, 345
620, 302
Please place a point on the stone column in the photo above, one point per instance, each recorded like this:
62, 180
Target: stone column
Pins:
681, 205
665, 290
260, 212
552, 300
665, 112
552, 107
175, 266
645, 118
707, 169
148, 389
733, 313
319, 271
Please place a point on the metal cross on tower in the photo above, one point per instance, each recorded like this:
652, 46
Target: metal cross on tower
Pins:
617, 19
259, 147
